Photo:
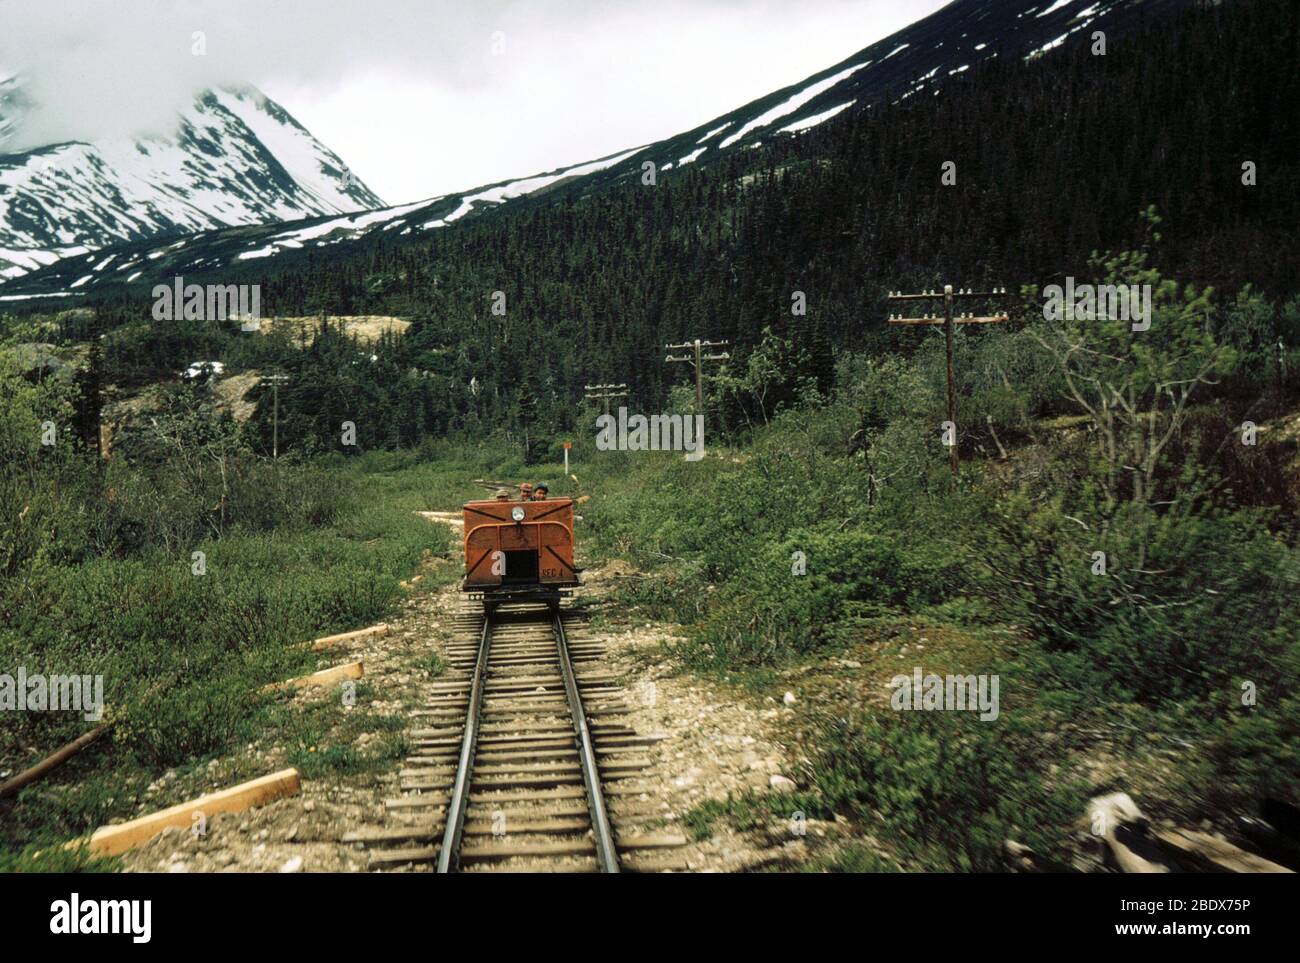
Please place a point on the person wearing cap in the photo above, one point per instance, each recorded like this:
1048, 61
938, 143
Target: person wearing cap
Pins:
503, 495
541, 492
526, 492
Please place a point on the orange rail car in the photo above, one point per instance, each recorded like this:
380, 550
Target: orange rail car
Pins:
516, 550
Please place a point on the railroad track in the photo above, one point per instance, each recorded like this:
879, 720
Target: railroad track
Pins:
522, 762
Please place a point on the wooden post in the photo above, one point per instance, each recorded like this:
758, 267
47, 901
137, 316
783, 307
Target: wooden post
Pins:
605, 393
276, 380
952, 381
699, 380
949, 321
698, 360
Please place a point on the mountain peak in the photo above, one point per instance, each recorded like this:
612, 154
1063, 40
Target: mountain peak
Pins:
236, 157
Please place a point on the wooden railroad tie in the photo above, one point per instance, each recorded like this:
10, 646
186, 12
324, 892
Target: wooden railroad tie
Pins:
116, 839
338, 673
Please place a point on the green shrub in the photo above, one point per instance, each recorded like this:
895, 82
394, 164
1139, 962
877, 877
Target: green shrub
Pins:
945, 789
1190, 601
766, 612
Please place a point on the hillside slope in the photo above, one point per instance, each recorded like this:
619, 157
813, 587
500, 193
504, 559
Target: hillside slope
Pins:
915, 62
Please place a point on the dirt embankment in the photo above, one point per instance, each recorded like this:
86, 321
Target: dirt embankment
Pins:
366, 328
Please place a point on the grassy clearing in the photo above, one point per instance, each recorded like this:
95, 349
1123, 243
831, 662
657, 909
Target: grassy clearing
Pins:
831, 552
827, 550
184, 656
903, 584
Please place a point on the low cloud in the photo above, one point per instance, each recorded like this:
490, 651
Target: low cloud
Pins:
102, 68
423, 97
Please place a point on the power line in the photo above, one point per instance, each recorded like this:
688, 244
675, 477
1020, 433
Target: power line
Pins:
948, 320
698, 359
275, 380
605, 393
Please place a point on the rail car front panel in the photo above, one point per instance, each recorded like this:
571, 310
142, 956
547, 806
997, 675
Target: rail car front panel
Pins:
535, 550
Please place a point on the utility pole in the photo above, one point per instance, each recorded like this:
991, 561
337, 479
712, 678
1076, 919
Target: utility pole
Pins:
948, 321
698, 360
275, 381
605, 393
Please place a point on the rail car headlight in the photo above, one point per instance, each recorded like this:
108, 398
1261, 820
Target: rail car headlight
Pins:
517, 513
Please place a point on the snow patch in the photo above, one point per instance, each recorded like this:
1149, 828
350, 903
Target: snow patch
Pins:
1050, 45
513, 189
1054, 7
714, 132
816, 119
791, 105
35, 297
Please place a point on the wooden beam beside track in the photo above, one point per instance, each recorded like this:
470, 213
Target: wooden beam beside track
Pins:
115, 839
343, 638
330, 676
51, 762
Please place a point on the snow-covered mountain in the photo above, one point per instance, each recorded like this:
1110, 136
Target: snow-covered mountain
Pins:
235, 158
917, 61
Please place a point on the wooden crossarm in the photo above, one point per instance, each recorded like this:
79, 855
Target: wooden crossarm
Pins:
949, 318
981, 319
939, 295
927, 296
958, 319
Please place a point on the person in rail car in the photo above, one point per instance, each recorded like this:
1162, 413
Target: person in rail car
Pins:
526, 492
541, 492
503, 494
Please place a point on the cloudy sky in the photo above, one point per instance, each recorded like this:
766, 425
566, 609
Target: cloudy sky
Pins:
424, 97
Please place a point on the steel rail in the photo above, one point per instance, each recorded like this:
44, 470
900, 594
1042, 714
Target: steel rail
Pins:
606, 854
449, 854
